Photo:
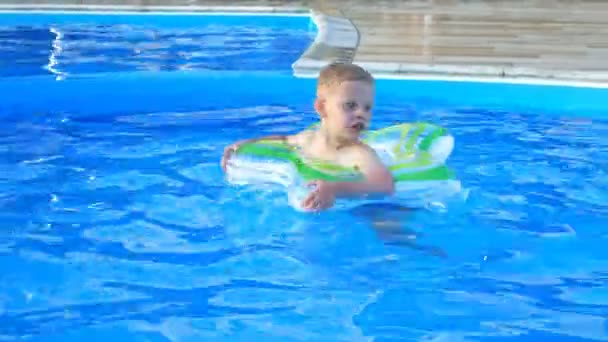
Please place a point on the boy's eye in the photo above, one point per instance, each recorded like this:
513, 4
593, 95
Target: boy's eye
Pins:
350, 105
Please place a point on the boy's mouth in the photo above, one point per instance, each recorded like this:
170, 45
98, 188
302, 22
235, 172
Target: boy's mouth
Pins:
359, 126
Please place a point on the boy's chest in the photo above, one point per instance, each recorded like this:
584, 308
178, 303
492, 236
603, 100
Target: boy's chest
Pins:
338, 157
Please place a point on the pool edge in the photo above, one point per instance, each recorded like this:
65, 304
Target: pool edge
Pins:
336, 41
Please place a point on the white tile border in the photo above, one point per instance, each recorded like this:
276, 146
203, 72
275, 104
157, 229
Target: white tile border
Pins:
489, 79
504, 74
499, 71
309, 68
530, 80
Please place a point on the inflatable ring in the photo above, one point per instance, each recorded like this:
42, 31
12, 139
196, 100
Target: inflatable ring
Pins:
415, 154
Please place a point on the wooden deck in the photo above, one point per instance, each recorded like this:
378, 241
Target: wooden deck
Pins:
546, 39
528, 40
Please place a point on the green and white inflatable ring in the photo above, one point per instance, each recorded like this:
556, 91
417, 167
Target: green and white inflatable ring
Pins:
415, 153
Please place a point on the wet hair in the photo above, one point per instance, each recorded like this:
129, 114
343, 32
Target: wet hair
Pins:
334, 74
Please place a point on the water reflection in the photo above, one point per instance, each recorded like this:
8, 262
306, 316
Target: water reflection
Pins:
55, 52
63, 50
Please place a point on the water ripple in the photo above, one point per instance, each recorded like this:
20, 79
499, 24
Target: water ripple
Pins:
154, 303
124, 222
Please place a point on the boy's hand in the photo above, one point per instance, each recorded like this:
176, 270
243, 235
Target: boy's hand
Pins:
228, 151
322, 197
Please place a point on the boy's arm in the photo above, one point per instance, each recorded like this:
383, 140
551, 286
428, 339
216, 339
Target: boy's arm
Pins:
377, 180
289, 139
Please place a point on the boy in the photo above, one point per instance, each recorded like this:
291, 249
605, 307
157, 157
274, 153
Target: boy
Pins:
345, 97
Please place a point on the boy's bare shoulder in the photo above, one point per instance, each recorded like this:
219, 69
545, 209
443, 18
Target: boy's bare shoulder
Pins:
301, 139
360, 148
362, 155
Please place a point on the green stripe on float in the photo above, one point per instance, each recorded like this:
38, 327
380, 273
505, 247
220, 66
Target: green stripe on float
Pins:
427, 141
439, 173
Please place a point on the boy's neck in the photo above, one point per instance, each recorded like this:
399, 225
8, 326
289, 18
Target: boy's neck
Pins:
331, 141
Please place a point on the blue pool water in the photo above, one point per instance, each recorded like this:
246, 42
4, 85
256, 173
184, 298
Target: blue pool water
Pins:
117, 222
65, 45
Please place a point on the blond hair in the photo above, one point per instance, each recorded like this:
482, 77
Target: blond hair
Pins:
334, 74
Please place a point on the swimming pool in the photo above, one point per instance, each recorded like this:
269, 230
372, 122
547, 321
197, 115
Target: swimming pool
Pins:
117, 223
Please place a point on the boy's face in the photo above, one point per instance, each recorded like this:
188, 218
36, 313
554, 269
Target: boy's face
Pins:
346, 109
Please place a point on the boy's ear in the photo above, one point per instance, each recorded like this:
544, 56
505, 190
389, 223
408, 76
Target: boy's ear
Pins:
320, 106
